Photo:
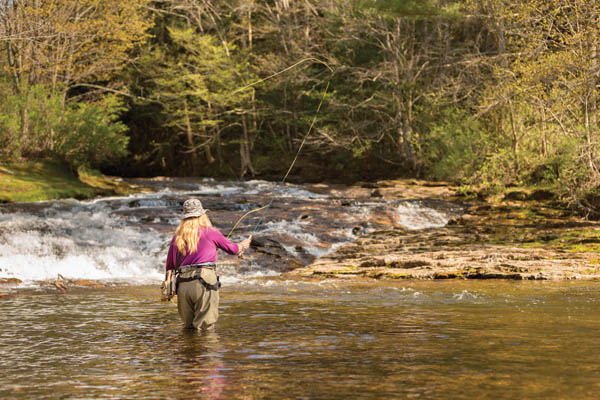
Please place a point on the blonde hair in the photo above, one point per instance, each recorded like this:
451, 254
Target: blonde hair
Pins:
188, 233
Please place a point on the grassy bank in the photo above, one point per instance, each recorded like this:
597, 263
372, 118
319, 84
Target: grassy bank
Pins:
45, 180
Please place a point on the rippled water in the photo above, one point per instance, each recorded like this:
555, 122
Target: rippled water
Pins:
308, 340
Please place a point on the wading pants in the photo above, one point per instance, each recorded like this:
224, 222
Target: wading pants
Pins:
198, 306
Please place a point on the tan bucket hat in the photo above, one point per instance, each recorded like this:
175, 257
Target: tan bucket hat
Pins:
193, 208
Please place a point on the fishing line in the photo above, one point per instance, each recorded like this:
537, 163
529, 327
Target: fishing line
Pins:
282, 71
301, 144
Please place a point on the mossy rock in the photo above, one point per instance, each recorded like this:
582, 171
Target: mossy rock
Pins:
542, 195
48, 180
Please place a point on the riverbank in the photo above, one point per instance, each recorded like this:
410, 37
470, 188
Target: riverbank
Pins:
45, 180
525, 234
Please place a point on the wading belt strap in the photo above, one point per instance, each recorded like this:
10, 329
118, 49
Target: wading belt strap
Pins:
207, 285
187, 268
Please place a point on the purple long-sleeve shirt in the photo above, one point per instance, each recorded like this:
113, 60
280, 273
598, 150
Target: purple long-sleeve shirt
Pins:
210, 240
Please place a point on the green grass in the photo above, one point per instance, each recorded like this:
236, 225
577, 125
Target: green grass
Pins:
45, 180
110, 184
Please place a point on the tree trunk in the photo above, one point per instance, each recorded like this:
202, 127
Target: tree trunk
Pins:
405, 131
219, 150
245, 160
24, 114
207, 152
190, 138
515, 138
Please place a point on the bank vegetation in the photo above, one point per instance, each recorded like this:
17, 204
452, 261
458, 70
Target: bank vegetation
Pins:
483, 93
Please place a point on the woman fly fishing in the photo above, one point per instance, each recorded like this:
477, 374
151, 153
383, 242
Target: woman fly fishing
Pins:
193, 256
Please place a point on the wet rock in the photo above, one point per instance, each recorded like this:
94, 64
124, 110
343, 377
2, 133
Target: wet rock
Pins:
88, 283
516, 195
480, 247
265, 248
459, 220
369, 185
542, 195
376, 193
10, 281
408, 264
444, 275
295, 263
372, 263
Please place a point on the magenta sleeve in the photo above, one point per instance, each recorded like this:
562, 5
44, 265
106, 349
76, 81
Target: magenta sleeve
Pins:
224, 244
172, 256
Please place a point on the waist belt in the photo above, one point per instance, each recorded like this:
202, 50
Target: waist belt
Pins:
187, 268
207, 285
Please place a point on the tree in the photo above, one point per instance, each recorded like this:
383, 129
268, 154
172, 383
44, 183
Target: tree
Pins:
64, 46
195, 83
544, 95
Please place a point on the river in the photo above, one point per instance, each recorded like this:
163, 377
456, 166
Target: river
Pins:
277, 337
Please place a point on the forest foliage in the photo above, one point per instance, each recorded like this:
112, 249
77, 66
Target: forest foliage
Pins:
479, 92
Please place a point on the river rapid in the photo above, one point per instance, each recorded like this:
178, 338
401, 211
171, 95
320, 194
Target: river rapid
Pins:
277, 337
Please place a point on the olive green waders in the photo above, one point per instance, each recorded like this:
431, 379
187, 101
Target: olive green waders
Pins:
198, 306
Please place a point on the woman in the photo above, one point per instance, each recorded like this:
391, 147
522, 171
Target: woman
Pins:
193, 254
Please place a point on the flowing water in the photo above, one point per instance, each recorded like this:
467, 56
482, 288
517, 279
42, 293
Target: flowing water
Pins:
277, 337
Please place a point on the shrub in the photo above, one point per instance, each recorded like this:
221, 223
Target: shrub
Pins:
455, 148
34, 123
90, 134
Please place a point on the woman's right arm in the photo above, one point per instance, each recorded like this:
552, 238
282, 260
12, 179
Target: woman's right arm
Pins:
172, 256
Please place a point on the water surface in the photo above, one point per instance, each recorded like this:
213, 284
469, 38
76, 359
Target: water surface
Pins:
280, 339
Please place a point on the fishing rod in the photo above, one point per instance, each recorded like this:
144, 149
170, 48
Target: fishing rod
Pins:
301, 143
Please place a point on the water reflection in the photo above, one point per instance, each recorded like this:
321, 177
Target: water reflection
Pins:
199, 360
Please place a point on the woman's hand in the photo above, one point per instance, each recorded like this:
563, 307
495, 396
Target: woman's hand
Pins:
244, 244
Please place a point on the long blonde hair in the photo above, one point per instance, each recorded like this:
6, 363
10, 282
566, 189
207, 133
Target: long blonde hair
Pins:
188, 233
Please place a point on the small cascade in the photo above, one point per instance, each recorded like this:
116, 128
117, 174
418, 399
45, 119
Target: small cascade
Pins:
82, 242
125, 239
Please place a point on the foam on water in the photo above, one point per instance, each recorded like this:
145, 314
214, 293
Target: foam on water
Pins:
78, 245
281, 190
414, 215
465, 295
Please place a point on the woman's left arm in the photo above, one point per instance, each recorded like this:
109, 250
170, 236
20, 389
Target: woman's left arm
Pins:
244, 244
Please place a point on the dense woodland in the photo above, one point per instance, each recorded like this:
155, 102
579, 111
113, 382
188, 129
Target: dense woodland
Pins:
486, 93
